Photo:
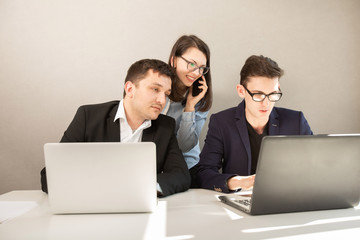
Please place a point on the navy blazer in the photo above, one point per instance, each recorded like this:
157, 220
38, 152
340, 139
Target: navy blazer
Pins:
95, 123
227, 144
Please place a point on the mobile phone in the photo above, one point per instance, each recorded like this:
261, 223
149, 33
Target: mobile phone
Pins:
195, 89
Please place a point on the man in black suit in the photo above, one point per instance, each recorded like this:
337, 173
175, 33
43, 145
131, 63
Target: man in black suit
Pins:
136, 118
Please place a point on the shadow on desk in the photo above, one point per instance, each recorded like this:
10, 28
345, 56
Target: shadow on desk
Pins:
208, 218
109, 226
318, 224
97, 226
195, 214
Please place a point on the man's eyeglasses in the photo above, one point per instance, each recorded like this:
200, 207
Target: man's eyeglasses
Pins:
193, 67
259, 97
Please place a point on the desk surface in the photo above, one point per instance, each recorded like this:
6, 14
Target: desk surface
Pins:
195, 214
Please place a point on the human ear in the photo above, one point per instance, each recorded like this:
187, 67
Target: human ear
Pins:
129, 89
240, 90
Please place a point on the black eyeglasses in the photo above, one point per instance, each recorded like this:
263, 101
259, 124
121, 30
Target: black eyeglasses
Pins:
259, 97
193, 67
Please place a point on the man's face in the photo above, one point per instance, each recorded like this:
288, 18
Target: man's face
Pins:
148, 96
259, 111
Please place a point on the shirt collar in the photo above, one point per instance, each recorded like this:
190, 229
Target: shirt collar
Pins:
120, 114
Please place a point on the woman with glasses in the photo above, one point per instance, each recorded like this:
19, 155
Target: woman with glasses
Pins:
191, 94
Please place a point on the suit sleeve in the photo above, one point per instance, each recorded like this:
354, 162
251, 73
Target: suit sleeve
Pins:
76, 130
211, 159
175, 176
74, 133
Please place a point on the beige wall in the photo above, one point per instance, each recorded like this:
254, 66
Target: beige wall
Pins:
56, 55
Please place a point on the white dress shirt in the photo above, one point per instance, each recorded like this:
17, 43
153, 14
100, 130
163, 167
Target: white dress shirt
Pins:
126, 133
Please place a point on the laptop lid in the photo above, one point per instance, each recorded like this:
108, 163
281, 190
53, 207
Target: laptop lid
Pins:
101, 177
305, 173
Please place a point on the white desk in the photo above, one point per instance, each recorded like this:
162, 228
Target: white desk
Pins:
195, 214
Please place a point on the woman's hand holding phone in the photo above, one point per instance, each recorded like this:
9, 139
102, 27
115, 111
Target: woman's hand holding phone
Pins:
199, 89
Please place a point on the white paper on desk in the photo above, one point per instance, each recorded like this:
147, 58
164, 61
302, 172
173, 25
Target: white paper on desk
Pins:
245, 192
11, 209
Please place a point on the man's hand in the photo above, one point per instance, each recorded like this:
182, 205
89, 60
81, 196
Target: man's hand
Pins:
243, 182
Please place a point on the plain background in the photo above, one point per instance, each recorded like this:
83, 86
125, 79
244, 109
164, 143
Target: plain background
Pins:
57, 55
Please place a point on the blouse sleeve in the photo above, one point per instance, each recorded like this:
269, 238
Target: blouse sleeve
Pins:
190, 127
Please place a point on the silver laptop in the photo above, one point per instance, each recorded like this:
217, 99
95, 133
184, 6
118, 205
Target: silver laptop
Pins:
303, 173
101, 177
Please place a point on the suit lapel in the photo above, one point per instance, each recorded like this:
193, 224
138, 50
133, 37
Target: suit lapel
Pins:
242, 128
149, 133
113, 129
274, 128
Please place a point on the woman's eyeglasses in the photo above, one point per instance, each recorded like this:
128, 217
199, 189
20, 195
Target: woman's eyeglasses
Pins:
193, 67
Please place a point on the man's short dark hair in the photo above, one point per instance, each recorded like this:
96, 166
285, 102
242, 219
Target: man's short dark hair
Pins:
139, 70
259, 66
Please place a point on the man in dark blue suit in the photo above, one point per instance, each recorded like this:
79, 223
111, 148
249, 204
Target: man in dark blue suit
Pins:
234, 135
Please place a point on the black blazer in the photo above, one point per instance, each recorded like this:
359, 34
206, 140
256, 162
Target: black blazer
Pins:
95, 123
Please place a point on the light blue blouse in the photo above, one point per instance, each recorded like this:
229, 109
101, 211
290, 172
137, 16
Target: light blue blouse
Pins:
188, 129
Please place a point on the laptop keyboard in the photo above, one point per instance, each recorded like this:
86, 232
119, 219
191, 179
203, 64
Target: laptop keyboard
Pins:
245, 202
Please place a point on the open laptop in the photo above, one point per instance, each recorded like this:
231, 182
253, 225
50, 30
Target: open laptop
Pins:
303, 173
101, 177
